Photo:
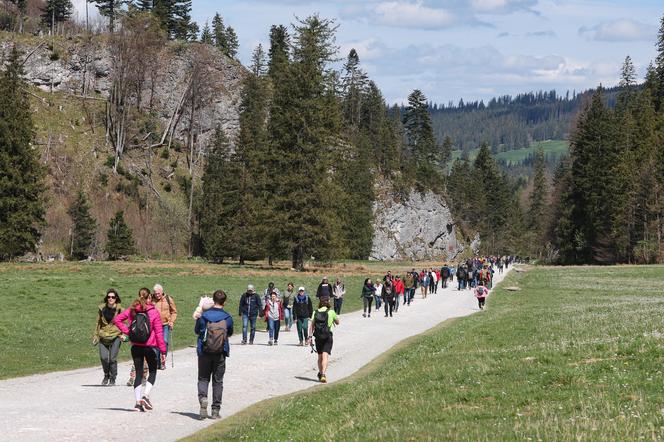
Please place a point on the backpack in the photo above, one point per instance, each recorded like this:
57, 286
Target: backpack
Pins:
321, 329
139, 329
214, 337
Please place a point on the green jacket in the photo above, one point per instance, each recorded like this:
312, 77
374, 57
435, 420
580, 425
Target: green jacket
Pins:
107, 331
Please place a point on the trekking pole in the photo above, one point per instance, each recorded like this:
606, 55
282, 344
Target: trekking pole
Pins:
171, 350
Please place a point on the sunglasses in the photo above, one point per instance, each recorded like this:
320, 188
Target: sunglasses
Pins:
111, 297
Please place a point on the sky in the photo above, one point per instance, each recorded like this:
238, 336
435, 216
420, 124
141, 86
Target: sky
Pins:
469, 49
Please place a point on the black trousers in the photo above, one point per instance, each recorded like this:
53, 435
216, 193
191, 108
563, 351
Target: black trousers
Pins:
149, 354
211, 367
389, 305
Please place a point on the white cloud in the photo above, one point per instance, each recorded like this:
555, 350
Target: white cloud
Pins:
411, 15
619, 30
502, 6
369, 49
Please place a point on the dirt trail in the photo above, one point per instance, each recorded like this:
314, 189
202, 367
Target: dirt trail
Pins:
73, 406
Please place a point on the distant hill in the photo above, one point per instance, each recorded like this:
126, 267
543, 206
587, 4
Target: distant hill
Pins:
508, 123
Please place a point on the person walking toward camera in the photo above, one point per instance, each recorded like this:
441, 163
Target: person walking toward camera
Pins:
287, 300
338, 291
166, 308
274, 314
368, 292
108, 336
481, 293
302, 311
146, 334
249, 309
213, 328
322, 322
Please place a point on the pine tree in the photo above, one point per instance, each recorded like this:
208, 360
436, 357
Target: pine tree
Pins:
120, 241
206, 36
380, 130
354, 83
56, 12
83, 229
110, 9
538, 202
232, 42
219, 33
658, 93
279, 53
22, 184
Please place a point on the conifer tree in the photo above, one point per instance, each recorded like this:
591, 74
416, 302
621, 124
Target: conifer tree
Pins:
537, 214
110, 9
354, 83
279, 53
219, 33
120, 241
380, 130
206, 35
658, 92
421, 142
21, 186
83, 229
56, 12
232, 43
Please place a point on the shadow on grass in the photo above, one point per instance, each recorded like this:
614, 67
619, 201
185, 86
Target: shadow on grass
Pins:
194, 416
302, 378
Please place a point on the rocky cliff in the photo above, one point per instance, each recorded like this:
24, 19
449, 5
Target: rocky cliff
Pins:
420, 227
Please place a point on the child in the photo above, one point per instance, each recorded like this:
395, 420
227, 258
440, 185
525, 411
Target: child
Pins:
481, 293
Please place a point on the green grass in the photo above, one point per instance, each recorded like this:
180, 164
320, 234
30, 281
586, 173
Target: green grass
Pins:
552, 148
49, 311
575, 355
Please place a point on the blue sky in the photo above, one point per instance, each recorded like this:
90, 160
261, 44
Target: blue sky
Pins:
470, 49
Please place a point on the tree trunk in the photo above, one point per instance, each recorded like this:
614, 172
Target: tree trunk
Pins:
298, 258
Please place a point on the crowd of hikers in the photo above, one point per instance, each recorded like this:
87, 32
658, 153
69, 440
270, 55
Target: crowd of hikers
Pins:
148, 322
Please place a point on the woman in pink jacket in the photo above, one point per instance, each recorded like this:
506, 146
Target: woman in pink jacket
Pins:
146, 335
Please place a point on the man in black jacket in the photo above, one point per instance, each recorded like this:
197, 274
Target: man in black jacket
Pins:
250, 307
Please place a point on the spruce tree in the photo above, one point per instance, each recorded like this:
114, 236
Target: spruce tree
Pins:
119, 239
380, 130
83, 228
110, 9
658, 92
279, 53
206, 35
219, 33
421, 142
56, 12
22, 183
537, 219
354, 83
232, 42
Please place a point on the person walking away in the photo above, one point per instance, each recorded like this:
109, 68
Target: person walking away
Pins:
146, 333
461, 277
249, 309
302, 311
388, 297
108, 336
320, 328
399, 290
433, 282
481, 293
368, 292
274, 314
287, 300
168, 312
213, 328
424, 283
378, 294
338, 291
444, 275
324, 290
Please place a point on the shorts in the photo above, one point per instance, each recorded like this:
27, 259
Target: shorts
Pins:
324, 345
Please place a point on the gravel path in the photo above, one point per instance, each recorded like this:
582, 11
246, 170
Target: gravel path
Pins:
72, 405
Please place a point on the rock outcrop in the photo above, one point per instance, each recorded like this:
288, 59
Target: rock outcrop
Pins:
421, 227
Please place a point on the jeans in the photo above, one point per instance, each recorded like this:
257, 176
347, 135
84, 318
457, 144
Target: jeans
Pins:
288, 317
410, 293
273, 328
337, 305
389, 306
246, 320
378, 302
108, 354
211, 366
150, 354
462, 283
302, 325
396, 302
367, 304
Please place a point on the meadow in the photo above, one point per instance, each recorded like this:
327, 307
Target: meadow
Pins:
48, 311
576, 354
553, 149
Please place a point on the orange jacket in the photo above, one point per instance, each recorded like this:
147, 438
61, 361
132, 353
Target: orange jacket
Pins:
166, 308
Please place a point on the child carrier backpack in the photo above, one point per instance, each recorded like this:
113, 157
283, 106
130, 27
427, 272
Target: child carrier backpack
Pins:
321, 329
139, 329
214, 337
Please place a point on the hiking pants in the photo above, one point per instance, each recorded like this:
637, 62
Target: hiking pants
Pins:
150, 354
389, 307
367, 304
108, 354
481, 302
211, 366
246, 320
337, 305
273, 326
302, 325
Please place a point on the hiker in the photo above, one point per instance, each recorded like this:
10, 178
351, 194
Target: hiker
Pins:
274, 314
433, 281
325, 289
409, 284
108, 336
461, 277
424, 283
444, 275
250, 307
388, 277
399, 290
378, 294
146, 334
388, 297
168, 312
302, 311
320, 328
287, 301
338, 291
368, 292
481, 293
213, 328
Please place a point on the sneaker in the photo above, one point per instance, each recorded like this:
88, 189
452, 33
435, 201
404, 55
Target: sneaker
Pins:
105, 380
111, 382
364, 315
301, 343
130, 382
369, 315
276, 343
323, 379
269, 342
244, 342
251, 342
146, 403
320, 375
215, 414
203, 414
139, 407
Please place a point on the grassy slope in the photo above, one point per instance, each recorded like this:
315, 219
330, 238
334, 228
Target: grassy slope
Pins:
575, 355
552, 148
49, 311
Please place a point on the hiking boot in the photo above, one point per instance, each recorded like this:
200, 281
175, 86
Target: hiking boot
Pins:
215, 414
111, 382
105, 380
251, 342
203, 414
145, 402
323, 379
139, 407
